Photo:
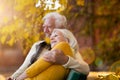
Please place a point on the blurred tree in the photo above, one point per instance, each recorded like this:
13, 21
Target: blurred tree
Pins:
95, 23
106, 31
22, 28
24, 24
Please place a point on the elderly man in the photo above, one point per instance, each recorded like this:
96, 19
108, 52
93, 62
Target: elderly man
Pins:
52, 20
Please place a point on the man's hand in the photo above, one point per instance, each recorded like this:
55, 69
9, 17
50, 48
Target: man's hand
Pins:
9, 78
56, 56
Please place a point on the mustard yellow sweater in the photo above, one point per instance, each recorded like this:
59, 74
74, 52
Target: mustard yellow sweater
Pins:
42, 70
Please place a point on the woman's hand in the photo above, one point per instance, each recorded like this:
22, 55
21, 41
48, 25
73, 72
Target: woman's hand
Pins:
22, 76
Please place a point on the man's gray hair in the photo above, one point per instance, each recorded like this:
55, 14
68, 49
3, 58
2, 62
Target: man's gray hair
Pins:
60, 20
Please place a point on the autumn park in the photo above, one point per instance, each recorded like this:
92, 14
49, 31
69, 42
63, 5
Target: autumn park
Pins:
94, 23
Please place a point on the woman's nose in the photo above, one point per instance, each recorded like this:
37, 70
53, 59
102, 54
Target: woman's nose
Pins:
51, 37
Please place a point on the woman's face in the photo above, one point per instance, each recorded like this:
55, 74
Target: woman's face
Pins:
57, 37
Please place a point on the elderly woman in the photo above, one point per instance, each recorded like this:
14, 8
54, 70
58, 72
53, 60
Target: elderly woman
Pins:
42, 70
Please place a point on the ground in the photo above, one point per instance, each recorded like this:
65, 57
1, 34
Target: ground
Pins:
91, 76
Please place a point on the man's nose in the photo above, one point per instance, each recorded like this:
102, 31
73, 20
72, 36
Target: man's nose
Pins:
46, 30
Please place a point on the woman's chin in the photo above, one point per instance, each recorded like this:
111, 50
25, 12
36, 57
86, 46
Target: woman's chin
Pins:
53, 45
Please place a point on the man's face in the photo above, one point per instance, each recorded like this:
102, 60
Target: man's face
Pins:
48, 26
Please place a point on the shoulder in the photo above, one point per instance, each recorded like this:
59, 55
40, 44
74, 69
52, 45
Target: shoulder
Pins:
64, 47
63, 44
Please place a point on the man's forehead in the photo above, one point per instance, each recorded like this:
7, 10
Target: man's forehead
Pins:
49, 21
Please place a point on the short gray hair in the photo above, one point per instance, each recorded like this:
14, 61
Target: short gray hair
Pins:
60, 20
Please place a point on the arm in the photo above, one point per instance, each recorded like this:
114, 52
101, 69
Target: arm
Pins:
33, 70
77, 64
42, 65
26, 62
22, 76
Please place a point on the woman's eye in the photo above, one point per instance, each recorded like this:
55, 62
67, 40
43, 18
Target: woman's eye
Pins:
55, 35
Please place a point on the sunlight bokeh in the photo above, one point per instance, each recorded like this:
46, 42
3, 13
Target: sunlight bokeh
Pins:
115, 67
88, 54
2, 77
96, 25
5, 12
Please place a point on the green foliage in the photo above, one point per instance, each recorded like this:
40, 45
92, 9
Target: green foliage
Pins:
107, 24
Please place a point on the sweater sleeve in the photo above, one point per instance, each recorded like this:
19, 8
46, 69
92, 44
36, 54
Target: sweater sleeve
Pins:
77, 64
26, 62
40, 65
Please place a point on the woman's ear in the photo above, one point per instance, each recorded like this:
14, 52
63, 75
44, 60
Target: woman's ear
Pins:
67, 40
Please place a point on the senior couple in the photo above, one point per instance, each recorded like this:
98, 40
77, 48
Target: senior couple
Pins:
54, 61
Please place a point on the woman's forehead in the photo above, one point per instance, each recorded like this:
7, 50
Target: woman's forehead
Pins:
57, 32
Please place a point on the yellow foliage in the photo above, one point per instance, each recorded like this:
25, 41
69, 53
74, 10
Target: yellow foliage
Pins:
2, 77
1, 8
21, 4
112, 77
47, 40
26, 35
11, 41
36, 37
25, 21
5, 19
64, 3
80, 2
4, 30
88, 54
32, 10
28, 25
109, 77
14, 17
2, 39
18, 8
